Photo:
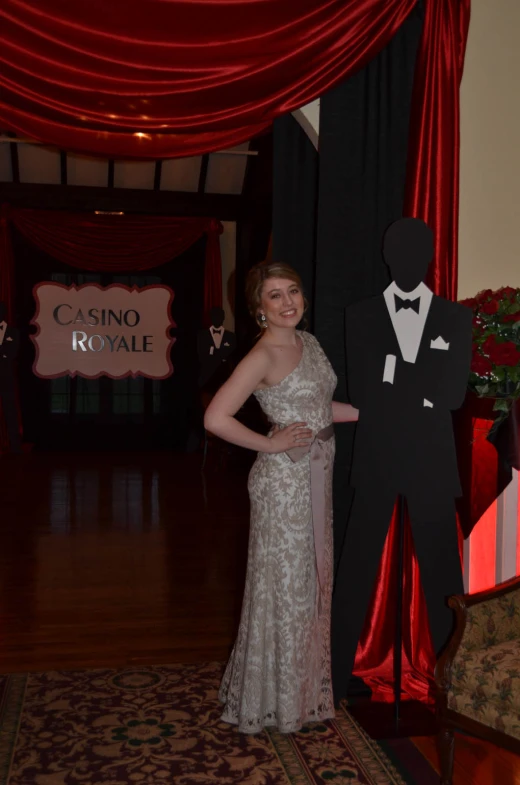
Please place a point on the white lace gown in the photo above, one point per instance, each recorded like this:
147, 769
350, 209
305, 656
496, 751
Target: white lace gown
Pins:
279, 671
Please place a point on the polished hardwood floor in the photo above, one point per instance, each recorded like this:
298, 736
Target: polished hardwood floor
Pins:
116, 559
112, 559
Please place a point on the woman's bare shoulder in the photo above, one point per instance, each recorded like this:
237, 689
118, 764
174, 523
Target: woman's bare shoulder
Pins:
256, 361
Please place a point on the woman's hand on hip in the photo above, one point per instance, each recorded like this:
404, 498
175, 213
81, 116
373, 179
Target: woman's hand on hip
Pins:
295, 435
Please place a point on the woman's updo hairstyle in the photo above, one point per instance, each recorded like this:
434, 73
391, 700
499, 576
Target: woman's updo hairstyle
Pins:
256, 278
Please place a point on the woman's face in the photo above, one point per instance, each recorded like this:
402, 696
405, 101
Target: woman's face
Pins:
282, 302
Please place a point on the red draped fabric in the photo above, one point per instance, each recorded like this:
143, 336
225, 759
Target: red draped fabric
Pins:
162, 79
115, 243
432, 193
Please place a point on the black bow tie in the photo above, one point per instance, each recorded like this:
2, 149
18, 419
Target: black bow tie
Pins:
400, 303
217, 330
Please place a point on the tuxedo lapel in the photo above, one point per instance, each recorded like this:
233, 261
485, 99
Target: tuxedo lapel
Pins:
431, 328
387, 331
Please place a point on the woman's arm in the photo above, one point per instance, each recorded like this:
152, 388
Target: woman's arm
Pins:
220, 414
344, 412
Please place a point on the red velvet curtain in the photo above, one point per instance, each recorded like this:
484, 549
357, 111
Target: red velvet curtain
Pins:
112, 243
432, 193
161, 79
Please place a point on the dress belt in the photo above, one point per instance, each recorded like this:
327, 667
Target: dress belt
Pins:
317, 464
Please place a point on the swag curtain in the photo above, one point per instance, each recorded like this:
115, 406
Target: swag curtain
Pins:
164, 79
111, 243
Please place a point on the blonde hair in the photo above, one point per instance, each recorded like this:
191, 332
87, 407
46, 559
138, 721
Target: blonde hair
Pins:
258, 275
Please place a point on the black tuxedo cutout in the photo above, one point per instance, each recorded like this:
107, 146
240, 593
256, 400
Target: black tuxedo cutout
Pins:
404, 442
210, 355
9, 344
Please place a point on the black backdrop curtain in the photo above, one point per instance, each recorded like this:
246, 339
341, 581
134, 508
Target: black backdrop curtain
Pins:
363, 145
295, 202
363, 149
359, 175
166, 413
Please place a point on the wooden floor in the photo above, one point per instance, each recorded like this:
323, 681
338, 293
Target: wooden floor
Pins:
115, 559
112, 559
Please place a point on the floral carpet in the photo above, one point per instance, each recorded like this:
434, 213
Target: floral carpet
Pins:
161, 725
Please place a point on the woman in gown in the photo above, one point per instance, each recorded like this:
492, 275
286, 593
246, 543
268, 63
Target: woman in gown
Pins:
279, 671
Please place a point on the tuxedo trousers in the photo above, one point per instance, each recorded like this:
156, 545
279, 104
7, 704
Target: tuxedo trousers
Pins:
434, 529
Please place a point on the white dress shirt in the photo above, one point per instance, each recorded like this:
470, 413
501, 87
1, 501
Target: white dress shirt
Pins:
217, 333
408, 325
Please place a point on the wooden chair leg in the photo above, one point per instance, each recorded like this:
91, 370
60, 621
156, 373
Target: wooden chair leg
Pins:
446, 747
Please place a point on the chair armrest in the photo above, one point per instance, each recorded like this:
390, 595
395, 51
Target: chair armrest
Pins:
445, 661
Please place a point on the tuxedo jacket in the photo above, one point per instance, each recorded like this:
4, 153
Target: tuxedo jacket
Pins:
8, 352
401, 443
209, 361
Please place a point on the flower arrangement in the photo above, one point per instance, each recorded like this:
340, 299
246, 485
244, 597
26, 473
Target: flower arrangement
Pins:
495, 366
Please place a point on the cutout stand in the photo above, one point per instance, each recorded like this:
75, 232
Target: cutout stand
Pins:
400, 719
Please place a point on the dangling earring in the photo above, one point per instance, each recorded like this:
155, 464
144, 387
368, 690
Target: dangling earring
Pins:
263, 321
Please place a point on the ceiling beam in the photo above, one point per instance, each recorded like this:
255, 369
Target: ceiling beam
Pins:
225, 207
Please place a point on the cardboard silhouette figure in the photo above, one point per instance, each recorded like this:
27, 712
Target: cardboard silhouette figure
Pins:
408, 363
9, 343
214, 346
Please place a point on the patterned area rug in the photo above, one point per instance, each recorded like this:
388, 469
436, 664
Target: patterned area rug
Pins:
161, 725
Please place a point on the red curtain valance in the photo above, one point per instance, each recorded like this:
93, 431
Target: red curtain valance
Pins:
162, 79
111, 243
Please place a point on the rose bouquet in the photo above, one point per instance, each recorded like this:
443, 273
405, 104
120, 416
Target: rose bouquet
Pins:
495, 366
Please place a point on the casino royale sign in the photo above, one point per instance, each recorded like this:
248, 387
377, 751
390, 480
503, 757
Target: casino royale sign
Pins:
91, 331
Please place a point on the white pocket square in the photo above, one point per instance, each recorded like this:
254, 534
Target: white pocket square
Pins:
226, 344
427, 403
8, 339
439, 343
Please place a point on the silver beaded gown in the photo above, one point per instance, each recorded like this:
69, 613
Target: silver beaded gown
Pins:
279, 671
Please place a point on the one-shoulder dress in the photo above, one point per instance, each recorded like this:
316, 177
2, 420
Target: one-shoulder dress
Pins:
279, 671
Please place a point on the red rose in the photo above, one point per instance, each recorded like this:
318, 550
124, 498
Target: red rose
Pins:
488, 347
512, 317
484, 295
481, 365
490, 307
506, 354
507, 291
470, 302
